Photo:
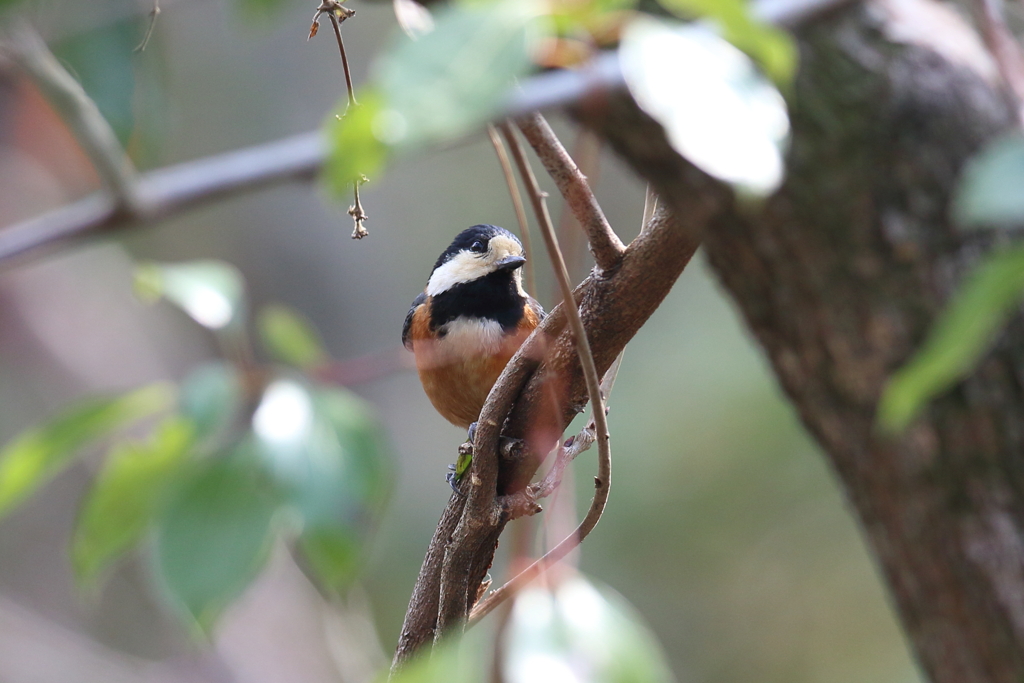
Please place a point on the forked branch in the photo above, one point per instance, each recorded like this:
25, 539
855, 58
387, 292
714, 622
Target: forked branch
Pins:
604, 243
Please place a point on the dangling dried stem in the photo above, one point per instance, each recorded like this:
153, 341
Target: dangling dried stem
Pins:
338, 13
357, 213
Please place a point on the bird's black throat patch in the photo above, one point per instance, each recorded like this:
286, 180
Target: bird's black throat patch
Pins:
493, 297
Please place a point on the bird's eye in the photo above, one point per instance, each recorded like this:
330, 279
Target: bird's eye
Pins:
478, 247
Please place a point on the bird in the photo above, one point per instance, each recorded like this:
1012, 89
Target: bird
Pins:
469, 321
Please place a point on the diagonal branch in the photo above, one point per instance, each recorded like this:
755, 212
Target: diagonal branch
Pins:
604, 243
602, 482
80, 113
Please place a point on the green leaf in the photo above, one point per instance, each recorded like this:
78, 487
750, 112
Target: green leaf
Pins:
39, 453
717, 110
210, 292
357, 143
991, 190
291, 338
773, 49
580, 632
211, 397
456, 77
101, 60
215, 535
365, 475
333, 555
327, 452
126, 494
960, 336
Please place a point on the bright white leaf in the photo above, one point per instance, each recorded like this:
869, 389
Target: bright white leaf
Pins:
414, 18
285, 414
578, 633
717, 109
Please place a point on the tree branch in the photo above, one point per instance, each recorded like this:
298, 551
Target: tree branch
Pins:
80, 113
169, 191
173, 190
604, 243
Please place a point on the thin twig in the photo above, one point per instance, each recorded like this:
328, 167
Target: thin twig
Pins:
153, 14
517, 204
1004, 47
602, 482
604, 243
80, 113
336, 23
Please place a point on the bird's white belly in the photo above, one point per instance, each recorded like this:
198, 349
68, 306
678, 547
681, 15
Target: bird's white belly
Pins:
466, 338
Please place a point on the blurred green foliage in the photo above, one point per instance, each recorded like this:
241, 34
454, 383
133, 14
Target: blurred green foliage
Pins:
127, 492
291, 338
357, 147
38, 454
453, 79
247, 446
958, 339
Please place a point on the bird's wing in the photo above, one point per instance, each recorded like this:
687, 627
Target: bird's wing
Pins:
407, 327
537, 308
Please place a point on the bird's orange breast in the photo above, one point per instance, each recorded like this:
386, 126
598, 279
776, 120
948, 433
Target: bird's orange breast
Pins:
459, 368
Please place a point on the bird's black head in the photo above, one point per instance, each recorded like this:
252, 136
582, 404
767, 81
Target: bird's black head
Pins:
475, 253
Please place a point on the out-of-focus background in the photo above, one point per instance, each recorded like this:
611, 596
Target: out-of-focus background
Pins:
725, 529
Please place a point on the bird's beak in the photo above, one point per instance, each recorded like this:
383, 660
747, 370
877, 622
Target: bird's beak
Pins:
510, 263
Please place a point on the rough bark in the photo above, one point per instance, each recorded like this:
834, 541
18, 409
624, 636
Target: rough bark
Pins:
839, 277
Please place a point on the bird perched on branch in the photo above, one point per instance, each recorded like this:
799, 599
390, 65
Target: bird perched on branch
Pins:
470, 320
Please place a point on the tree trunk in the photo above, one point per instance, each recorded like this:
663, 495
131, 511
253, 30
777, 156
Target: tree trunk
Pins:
839, 277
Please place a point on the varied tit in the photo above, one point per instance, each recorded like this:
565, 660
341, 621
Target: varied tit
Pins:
470, 320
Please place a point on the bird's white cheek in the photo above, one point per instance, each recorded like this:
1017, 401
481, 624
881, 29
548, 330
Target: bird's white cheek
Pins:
462, 268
